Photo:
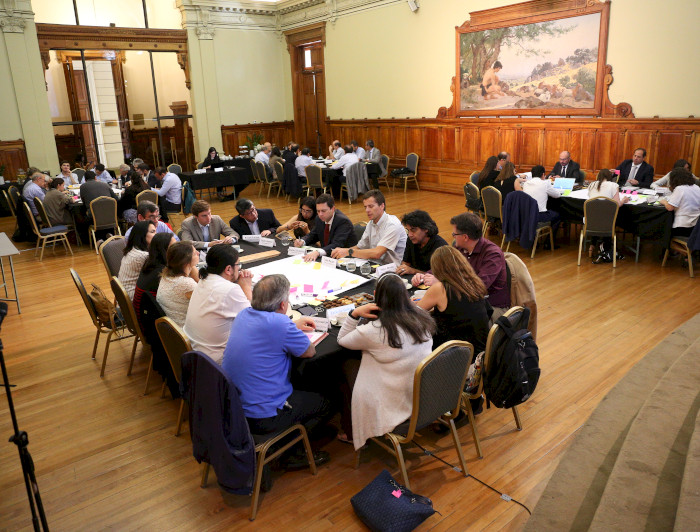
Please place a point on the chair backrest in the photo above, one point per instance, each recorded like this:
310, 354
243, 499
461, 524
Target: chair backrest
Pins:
175, 168
13, 192
175, 343
491, 197
359, 228
471, 191
279, 170
32, 220
262, 171
412, 162
104, 212
79, 172
112, 252
438, 383
254, 169
86, 299
581, 177
314, 176
147, 195
9, 202
42, 212
198, 166
385, 164
474, 177
600, 215
127, 308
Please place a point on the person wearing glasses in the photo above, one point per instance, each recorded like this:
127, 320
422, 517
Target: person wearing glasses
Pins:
301, 223
251, 221
423, 241
223, 290
485, 257
148, 211
205, 229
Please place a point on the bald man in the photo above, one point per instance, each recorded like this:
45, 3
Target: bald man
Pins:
565, 167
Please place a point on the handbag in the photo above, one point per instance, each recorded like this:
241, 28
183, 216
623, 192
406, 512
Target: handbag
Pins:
384, 505
105, 309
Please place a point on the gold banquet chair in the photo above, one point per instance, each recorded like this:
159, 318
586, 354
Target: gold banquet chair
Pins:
412, 160
175, 344
146, 195
47, 235
437, 394
130, 322
493, 209
680, 244
600, 218
104, 216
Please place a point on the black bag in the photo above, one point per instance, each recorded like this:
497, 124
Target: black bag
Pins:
513, 370
400, 171
386, 506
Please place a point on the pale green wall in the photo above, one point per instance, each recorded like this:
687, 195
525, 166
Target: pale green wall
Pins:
10, 125
408, 60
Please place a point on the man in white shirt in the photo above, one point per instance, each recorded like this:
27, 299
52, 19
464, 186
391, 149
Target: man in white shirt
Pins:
384, 238
221, 293
303, 160
69, 178
264, 157
35, 189
359, 150
335, 151
346, 160
540, 189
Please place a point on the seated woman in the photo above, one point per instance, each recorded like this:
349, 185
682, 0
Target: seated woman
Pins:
488, 173
149, 278
212, 157
505, 182
135, 255
605, 187
423, 240
684, 201
178, 280
127, 204
395, 340
56, 203
680, 163
300, 223
457, 300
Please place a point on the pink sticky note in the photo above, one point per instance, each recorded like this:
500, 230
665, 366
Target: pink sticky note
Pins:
396, 493
634, 192
308, 288
292, 290
325, 285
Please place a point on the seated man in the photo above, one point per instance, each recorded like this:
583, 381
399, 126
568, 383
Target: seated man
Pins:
92, 189
635, 172
69, 178
503, 158
222, 292
251, 221
148, 211
423, 240
345, 161
205, 229
485, 257
358, 150
124, 170
258, 359
35, 189
384, 238
332, 229
565, 167
101, 174
373, 155
148, 176
335, 151
170, 191
302, 161
540, 189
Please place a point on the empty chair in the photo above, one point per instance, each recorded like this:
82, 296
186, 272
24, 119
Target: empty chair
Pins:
130, 321
495, 340
79, 172
147, 195
276, 180
493, 208
234, 453
175, 168
104, 216
384, 176
472, 196
314, 179
11, 206
474, 177
176, 344
679, 244
112, 252
47, 235
600, 218
409, 173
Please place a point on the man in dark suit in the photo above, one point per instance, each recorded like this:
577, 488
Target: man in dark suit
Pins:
636, 172
566, 168
251, 221
204, 229
332, 230
148, 176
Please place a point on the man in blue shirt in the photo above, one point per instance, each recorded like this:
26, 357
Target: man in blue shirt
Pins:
101, 174
258, 359
170, 191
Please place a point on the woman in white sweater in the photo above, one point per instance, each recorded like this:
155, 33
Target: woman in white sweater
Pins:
178, 281
135, 255
395, 336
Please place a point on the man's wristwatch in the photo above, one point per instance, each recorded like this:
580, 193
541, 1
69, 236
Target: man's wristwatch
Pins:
350, 251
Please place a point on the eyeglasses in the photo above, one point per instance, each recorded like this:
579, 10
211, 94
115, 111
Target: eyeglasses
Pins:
250, 211
238, 264
458, 234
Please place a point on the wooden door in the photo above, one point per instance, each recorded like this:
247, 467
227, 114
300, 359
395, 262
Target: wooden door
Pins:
80, 110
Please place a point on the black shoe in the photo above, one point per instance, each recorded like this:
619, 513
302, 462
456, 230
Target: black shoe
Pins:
299, 461
602, 258
620, 256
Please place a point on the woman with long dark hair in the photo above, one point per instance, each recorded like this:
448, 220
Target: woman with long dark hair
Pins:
505, 182
300, 223
127, 203
488, 173
149, 278
395, 336
212, 157
178, 280
135, 254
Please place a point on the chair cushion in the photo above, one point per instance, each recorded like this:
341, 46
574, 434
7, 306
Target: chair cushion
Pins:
53, 230
683, 239
543, 224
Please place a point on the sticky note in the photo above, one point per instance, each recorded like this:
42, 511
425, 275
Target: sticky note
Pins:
308, 288
297, 261
396, 493
317, 265
567, 192
314, 303
293, 289
354, 281
325, 285
375, 265
332, 298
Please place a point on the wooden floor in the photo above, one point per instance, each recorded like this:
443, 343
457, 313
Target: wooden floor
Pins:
106, 456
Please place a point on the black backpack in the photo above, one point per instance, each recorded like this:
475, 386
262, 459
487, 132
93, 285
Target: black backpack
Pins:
513, 370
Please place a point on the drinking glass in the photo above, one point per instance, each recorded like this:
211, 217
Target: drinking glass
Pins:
286, 240
350, 266
366, 268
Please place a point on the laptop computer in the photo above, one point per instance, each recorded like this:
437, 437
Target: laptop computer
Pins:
564, 183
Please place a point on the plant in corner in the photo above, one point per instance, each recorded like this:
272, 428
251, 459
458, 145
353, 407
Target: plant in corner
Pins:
254, 140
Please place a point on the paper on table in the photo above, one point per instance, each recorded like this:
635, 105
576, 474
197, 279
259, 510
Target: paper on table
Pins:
316, 337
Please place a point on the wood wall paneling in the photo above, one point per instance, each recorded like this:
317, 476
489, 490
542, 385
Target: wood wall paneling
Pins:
13, 156
277, 133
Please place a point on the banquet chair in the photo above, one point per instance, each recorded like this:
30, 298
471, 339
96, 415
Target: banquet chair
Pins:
680, 244
130, 321
493, 209
14, 202
46, 222
438, 383
600, 217
472, 196
147, 195
112, 327
104, 216
412, 160
47, 235
175, 168
314, 179
474, 178
112, 252
359, 229
495, 340
11, 206
80, 172
251, 449
384, 176
176, 344
276, 181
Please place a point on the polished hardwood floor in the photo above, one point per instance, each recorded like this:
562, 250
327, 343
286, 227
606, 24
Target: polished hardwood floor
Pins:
106, 456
